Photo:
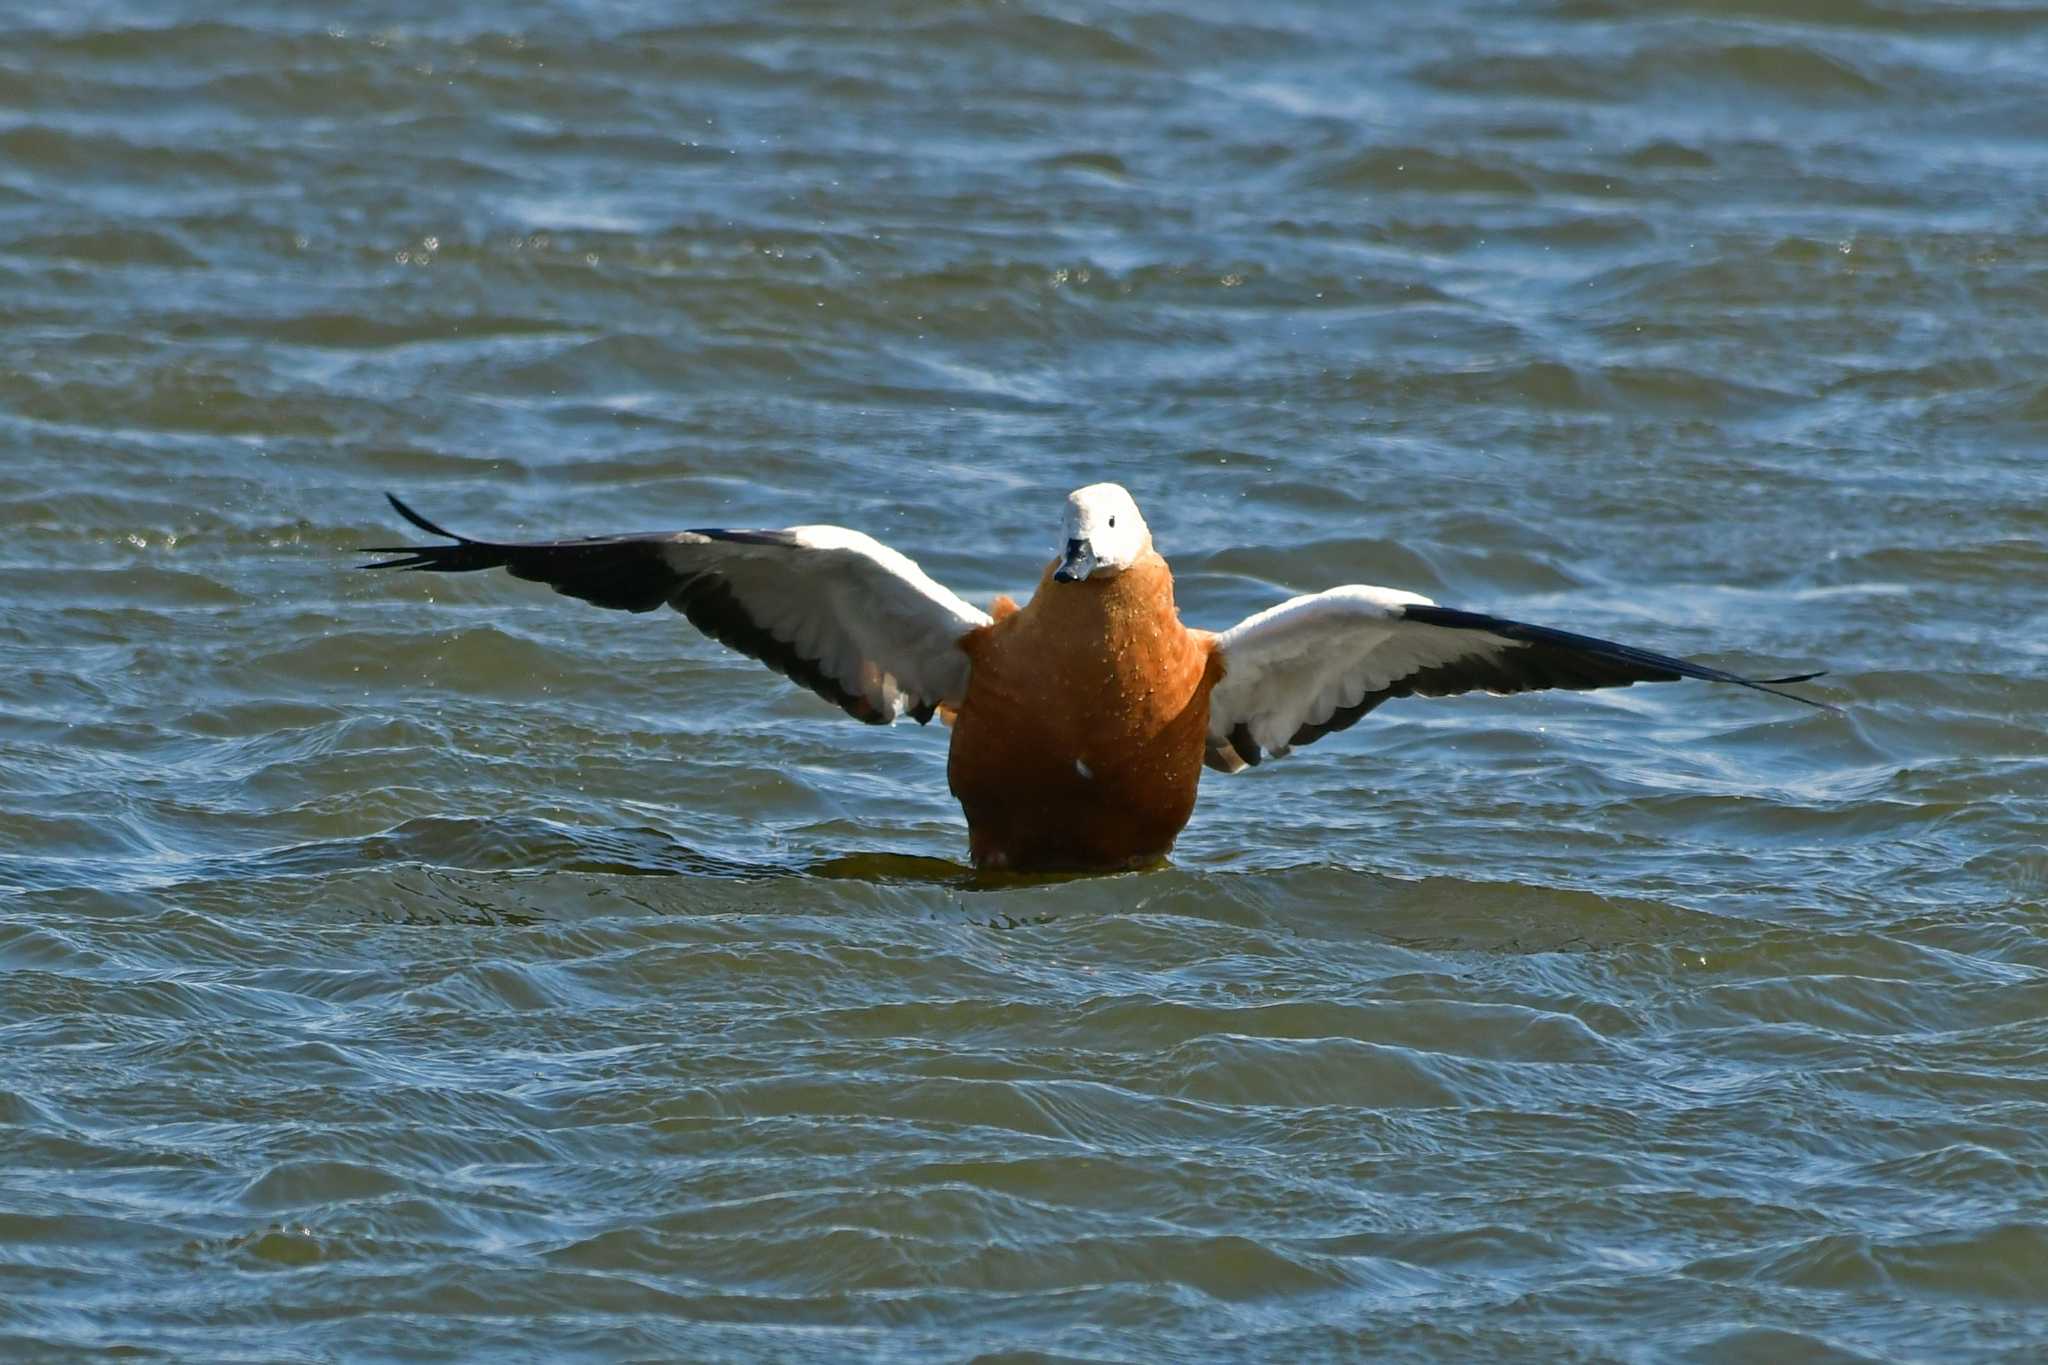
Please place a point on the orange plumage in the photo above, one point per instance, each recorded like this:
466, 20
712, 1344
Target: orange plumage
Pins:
1080, 741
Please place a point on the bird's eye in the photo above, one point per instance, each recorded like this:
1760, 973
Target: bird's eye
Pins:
1112, 521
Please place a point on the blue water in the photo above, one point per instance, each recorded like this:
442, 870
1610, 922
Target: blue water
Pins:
434, 969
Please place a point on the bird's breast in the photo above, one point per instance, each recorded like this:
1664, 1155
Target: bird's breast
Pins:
1080, 740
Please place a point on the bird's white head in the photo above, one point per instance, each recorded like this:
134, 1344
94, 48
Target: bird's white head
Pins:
1101, 535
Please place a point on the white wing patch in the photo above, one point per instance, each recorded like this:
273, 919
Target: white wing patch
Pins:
1314, 665
831, 609
1300, 663
862, 617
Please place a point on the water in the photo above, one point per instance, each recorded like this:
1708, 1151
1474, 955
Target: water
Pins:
411, 969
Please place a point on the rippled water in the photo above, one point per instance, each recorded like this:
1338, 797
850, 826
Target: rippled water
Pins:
394, 968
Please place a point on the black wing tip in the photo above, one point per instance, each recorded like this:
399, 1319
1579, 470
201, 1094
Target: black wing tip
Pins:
1674, 668
1767, 685
398, 505
414, 556
1770, 686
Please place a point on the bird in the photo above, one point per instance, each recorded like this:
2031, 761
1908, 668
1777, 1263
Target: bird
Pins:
1083, 719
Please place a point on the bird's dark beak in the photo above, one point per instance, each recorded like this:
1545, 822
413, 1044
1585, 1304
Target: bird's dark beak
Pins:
1076, 564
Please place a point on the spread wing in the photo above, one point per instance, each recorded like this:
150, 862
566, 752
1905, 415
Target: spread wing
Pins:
832, 609
1314, 665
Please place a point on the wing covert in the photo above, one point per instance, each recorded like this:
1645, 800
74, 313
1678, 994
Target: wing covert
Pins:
831, 609
1317, 664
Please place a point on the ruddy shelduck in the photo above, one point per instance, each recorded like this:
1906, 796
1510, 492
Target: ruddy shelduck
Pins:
1081, 720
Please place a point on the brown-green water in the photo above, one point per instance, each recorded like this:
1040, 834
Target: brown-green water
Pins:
434, 970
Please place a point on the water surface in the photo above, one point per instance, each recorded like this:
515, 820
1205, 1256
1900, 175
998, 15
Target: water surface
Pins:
397, 968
